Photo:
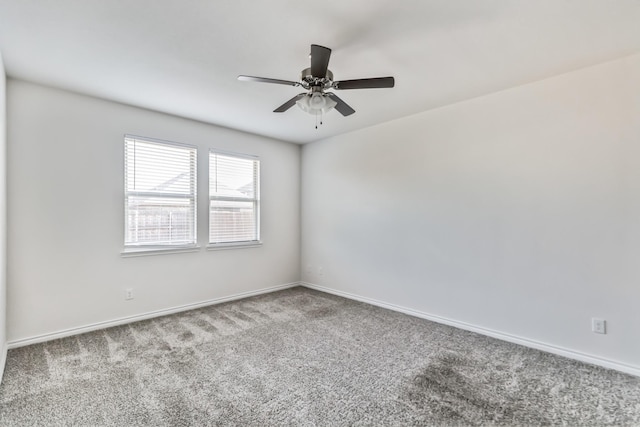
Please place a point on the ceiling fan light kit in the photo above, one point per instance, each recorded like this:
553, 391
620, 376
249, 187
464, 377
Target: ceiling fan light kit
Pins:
316, 103
318, 78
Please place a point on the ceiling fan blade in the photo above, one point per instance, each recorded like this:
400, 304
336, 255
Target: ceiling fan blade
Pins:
342, 107
266, 80
290, 103
373, 83
319, 60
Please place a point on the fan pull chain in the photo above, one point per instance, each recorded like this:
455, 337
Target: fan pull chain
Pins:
317, 119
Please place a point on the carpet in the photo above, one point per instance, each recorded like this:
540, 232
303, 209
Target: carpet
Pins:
299, 357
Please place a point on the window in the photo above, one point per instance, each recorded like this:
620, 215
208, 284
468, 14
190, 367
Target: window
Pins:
160, 194
234, 199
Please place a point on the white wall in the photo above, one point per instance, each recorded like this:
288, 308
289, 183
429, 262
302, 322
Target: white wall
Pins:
3, 216
518, 212
65, 215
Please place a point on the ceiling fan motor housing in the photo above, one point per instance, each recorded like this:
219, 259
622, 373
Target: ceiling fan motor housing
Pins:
308, 80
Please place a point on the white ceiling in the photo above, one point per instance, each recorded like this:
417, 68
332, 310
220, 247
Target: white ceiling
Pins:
183, 56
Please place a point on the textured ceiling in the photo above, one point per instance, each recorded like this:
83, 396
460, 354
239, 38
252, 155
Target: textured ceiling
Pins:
182, 57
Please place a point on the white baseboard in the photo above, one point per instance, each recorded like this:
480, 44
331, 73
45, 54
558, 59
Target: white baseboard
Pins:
3, 359
144, 316
571, 354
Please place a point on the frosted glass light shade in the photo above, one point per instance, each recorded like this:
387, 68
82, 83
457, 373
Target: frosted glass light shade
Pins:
316, 103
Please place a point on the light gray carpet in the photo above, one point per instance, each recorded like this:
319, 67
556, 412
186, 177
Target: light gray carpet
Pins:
303, 358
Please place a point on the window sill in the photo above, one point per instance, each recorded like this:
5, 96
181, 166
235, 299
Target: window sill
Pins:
133, 252
236, 245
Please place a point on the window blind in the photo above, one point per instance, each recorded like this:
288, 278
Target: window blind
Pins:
234, 205
160, 193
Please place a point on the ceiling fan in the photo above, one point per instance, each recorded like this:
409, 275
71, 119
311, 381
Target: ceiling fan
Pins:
316, 80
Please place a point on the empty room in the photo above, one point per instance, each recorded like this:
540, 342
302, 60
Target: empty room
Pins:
345, 213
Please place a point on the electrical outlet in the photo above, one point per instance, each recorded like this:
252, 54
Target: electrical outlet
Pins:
599, 326
309, 269
128, 293
320, 271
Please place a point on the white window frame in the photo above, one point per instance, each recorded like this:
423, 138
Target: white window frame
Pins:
136, 249
256, 203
